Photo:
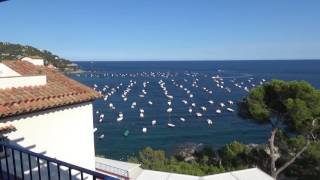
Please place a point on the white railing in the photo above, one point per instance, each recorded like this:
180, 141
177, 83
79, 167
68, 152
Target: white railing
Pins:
112, 170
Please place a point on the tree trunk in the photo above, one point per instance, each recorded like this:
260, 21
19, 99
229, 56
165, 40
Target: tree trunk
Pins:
273, 169
283, 167
272, 155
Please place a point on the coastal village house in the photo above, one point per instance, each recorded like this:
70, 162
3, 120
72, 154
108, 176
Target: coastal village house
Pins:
45, 112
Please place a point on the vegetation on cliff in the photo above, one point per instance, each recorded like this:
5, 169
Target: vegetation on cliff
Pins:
10, 51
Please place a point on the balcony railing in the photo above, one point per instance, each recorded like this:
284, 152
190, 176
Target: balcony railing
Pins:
19, 163
123, 174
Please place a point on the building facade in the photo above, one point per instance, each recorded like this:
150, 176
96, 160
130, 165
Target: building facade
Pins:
54, 118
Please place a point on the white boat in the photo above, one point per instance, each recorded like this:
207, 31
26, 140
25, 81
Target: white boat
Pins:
182, 119
222, 105
169, 103
198, 114
218, 111
230, 110
190, 110
210, 101
230, 102
120, 118
154, 122
169, 110
209, 121
144, 130
171, 125
101, 136
203, 108
185, 102
150, 102
193, 104
141, 115
95, 129
100, 120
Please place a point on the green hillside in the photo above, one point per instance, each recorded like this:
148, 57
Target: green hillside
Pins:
9, 51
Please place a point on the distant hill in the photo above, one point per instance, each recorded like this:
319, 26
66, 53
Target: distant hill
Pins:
9, 51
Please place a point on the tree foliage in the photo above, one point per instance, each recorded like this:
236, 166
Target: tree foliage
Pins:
294, 103
293, 107
157, 160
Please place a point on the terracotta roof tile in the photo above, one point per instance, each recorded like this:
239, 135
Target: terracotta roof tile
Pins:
59, 91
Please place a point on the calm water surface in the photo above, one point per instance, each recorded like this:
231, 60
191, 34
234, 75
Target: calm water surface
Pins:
226, 127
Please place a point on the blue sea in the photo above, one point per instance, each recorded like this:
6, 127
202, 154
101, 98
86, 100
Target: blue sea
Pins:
197, 77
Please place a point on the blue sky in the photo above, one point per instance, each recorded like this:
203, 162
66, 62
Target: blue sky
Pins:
165, 29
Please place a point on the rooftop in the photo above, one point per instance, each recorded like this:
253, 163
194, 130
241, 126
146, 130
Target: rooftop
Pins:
59, 90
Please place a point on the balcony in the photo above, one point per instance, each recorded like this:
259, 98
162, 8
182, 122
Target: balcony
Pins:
18, 163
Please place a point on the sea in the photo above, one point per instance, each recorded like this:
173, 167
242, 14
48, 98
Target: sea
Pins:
142, 82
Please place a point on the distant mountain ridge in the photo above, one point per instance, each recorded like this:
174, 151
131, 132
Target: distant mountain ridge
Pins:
10, 51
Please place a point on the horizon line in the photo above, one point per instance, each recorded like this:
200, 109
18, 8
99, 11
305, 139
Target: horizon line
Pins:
168, 60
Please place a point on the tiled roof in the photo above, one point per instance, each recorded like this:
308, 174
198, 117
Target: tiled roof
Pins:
59, 91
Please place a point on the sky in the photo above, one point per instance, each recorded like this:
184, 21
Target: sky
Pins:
165, 29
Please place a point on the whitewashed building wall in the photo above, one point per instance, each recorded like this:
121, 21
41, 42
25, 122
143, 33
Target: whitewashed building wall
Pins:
65, 133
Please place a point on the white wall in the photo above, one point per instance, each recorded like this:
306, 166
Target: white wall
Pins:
5, 71
37, 62
21, 81
63, 133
